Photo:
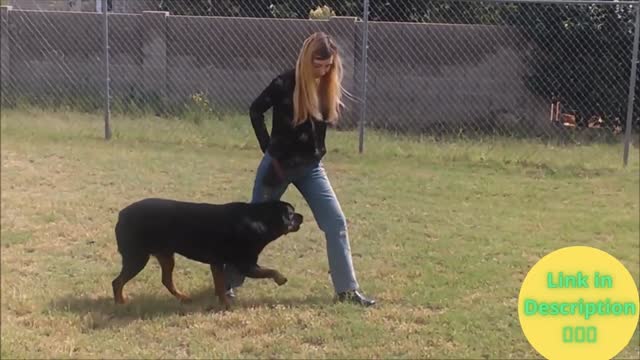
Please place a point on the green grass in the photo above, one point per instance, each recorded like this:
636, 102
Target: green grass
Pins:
442, 235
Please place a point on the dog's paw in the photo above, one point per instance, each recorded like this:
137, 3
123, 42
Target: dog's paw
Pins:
183, 298
280, 280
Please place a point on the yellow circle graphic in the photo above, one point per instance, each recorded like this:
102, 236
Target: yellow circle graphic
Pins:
578, 302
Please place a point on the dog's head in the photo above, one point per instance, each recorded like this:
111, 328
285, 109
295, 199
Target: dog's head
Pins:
272, 219
291, 220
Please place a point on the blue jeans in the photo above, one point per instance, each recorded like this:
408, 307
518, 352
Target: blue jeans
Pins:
313, 184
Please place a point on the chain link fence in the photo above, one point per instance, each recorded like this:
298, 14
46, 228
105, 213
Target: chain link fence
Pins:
521, 68
51, 58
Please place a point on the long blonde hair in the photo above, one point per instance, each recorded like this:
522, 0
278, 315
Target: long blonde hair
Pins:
323, 98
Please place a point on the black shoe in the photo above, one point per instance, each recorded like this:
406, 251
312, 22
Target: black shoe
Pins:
355, 297
230, 293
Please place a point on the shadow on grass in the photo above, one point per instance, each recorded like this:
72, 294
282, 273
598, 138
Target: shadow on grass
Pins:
101, 312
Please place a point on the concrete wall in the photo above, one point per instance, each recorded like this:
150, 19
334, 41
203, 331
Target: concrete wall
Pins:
118, 6
420, 75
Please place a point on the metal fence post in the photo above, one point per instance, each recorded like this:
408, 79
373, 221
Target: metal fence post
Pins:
632, 86
363, 75
107, 94
7, 96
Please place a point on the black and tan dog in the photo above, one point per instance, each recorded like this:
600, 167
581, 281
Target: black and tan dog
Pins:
215, 234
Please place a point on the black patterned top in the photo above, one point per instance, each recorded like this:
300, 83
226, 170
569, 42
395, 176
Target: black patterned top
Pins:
290, 145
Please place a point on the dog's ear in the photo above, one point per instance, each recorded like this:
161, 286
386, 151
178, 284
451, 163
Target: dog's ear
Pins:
255, 227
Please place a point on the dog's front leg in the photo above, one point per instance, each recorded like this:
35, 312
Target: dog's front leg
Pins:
219, 285
257, 272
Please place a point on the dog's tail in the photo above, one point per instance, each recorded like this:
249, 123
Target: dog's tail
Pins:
119, 235
123, 232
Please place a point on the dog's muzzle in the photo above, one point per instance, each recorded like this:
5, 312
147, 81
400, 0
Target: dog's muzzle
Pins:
295, 223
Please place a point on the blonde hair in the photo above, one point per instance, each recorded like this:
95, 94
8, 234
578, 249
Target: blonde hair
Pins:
323, 98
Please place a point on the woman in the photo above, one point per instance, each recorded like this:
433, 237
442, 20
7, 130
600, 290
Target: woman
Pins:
304, 101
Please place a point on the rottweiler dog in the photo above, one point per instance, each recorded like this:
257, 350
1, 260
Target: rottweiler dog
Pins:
216, 234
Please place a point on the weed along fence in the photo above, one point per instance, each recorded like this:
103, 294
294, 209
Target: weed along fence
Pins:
440, 68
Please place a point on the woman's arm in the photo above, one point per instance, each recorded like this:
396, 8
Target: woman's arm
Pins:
260, 105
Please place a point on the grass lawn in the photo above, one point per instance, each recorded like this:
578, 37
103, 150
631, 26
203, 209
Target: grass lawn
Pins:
442, 236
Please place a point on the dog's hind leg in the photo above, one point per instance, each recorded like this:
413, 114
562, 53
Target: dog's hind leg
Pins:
167, 263
257, 272
219, 285
131, 266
